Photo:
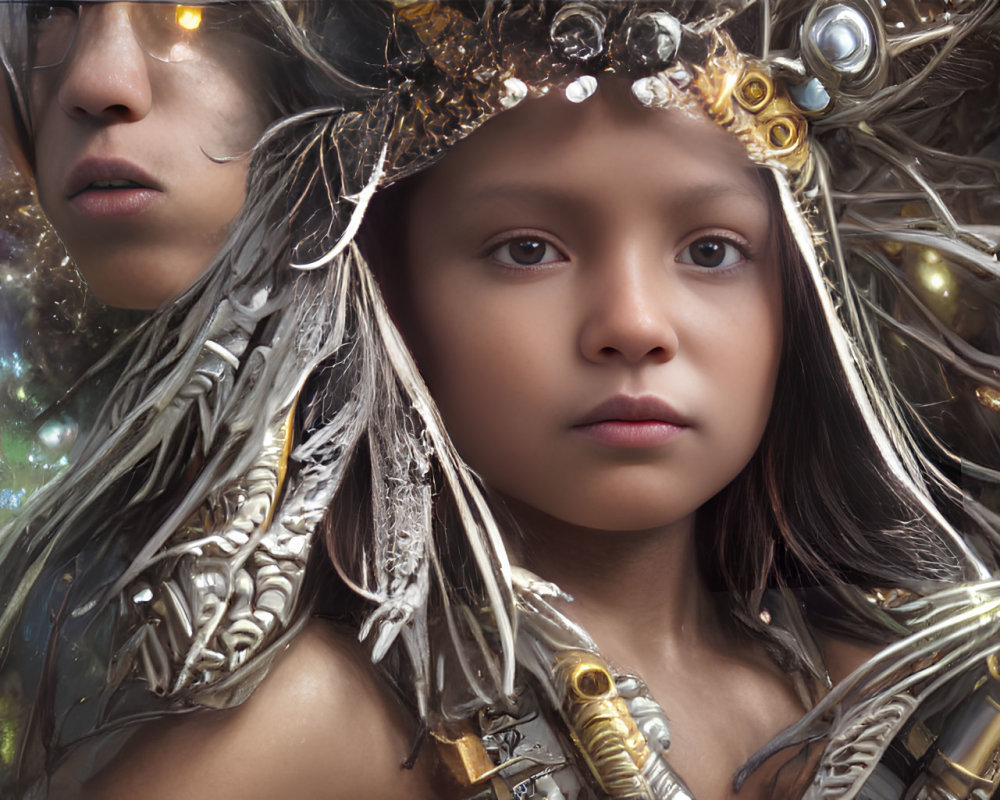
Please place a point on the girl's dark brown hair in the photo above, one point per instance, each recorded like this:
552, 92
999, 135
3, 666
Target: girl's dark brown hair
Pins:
815, 505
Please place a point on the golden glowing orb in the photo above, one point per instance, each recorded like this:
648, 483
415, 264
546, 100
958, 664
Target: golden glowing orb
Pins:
933, 273
188, 17
936, 284
936, 281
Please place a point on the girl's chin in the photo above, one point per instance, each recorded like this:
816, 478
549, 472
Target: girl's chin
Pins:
620, 517
127, 282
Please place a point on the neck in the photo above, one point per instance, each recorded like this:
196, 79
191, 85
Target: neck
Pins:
639, 594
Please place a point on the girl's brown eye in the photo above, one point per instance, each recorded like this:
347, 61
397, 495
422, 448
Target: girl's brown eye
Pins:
526, 253
530, 251
712, 253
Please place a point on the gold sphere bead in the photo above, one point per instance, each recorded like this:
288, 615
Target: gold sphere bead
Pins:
934, 282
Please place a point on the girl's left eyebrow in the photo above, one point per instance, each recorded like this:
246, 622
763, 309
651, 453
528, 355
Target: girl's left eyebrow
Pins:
707, 192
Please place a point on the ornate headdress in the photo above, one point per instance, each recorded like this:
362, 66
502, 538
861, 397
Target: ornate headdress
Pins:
273, 380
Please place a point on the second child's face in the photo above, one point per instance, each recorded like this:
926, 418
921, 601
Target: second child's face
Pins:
125, 141
591, 295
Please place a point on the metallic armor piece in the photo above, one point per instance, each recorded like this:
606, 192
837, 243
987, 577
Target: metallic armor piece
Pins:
966, 760
464, 756
948, 628
652, 724
600, 724
843, 36
843, 45
234, 582
620, 733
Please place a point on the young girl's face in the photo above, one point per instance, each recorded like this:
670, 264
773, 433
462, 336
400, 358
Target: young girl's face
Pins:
592, 297
126, 127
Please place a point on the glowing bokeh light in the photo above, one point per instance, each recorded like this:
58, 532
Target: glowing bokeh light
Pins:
189, 17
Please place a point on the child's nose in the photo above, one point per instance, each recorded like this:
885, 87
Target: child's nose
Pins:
105, 75
628, 316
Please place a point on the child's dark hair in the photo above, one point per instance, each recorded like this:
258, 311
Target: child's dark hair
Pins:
815, 506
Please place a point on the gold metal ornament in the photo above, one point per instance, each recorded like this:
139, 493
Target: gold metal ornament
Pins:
754, 91
600, 724
464, 756
739, 95
742, 97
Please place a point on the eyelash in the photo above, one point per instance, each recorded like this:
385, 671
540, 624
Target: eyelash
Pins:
553, 255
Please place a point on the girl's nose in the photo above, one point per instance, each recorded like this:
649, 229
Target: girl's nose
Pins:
105, 76
630, 316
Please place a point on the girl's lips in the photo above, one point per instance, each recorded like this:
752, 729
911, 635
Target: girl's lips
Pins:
100, 203
110, 188
90, 171
629, 408
629, 421
631, 433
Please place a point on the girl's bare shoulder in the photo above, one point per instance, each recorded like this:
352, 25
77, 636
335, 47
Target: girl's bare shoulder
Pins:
322, 725
843, 656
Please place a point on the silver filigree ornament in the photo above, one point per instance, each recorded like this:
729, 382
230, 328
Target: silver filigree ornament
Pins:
577, 32
653, 38
843, 38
